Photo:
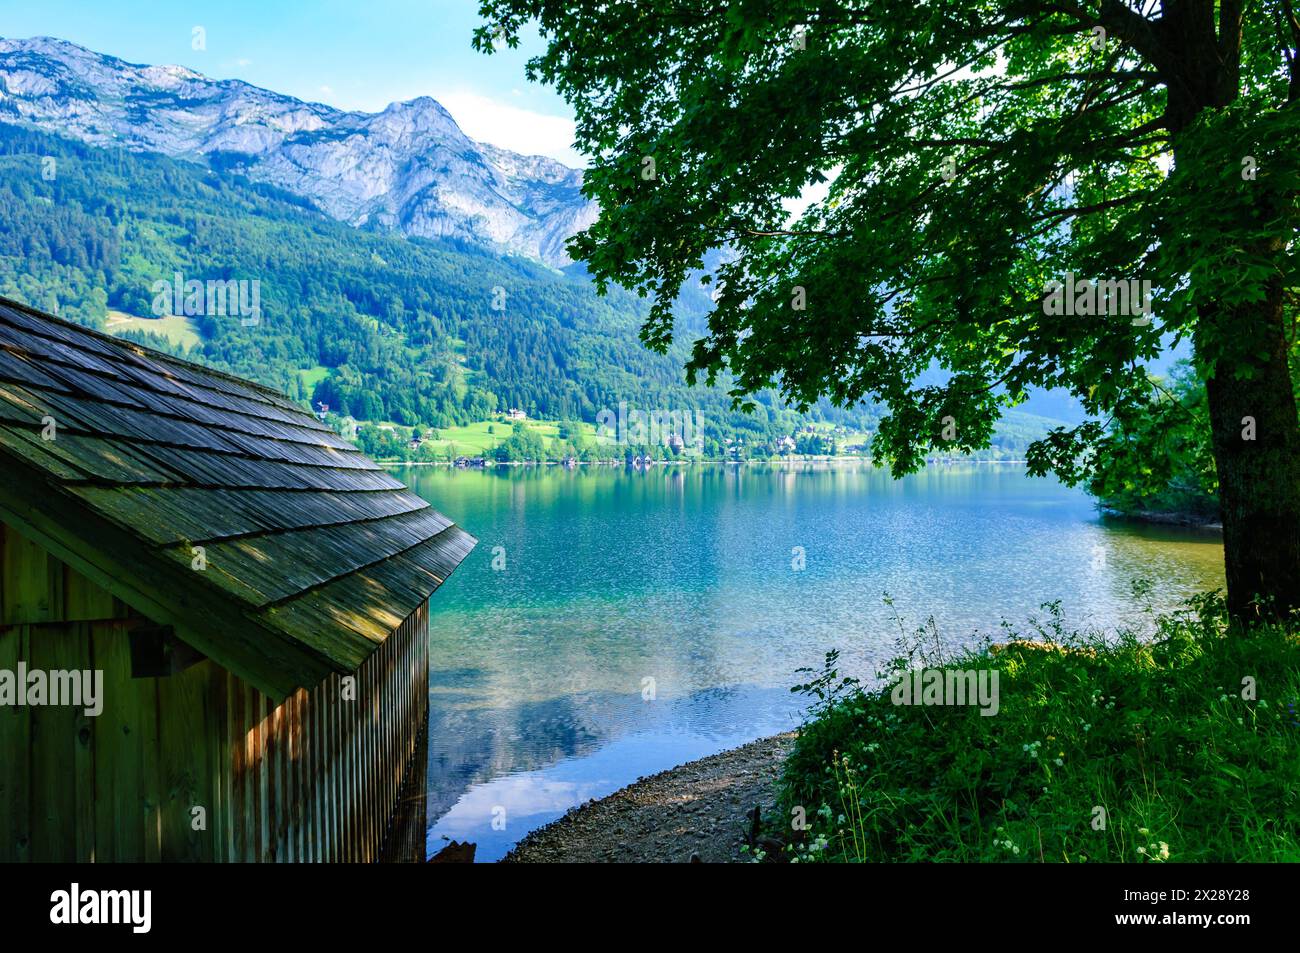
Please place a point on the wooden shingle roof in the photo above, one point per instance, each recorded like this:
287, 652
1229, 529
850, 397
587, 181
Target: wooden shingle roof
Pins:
130, 465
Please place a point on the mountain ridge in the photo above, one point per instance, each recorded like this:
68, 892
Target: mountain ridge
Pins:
407, 168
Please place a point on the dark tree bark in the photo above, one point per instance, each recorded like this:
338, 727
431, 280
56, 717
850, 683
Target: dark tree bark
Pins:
1259, 478
1254, 425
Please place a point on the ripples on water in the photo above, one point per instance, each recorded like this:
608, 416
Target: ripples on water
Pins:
686, 576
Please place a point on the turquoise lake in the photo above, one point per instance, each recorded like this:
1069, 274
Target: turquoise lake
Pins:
613, 623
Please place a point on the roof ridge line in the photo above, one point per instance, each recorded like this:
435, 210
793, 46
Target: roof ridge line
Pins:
135, 442
26, 355
20, 352
123, 344
100, 483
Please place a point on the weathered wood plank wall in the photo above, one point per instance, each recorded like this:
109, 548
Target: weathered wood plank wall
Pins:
317, 778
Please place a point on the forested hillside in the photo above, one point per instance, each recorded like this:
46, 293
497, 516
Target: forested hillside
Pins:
376, 325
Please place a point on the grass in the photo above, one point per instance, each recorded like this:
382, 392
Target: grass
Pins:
476, 440
311, 376
177, 328
1181, 747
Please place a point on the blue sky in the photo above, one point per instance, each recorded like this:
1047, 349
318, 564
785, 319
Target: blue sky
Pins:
352, 54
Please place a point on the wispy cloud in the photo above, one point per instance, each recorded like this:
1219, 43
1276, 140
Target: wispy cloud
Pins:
510, 127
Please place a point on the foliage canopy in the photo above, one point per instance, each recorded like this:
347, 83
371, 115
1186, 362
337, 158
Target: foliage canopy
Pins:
969, 153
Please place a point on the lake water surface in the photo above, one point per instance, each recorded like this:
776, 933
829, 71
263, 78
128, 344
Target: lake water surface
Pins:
706, 587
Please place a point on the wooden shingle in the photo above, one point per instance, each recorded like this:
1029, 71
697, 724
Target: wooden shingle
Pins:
137, 467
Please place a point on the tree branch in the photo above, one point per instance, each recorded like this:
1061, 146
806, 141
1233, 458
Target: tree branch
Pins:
1131, 27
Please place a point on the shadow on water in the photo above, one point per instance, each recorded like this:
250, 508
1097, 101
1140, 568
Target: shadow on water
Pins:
1161, 532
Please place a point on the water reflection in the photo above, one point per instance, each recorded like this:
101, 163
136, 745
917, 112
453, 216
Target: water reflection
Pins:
494, 779
690, 578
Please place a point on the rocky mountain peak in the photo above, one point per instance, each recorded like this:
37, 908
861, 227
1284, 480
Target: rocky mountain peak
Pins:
408, 167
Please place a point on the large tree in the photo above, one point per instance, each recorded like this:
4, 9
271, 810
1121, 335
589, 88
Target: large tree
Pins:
971, 156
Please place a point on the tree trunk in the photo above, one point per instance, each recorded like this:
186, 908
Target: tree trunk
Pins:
1251, 396
1254, 427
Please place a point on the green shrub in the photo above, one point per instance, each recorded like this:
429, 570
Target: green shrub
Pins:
1102, 749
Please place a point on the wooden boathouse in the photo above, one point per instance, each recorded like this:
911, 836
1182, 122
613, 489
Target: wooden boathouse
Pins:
250, 591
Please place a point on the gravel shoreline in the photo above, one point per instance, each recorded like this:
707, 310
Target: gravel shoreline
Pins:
700, 811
